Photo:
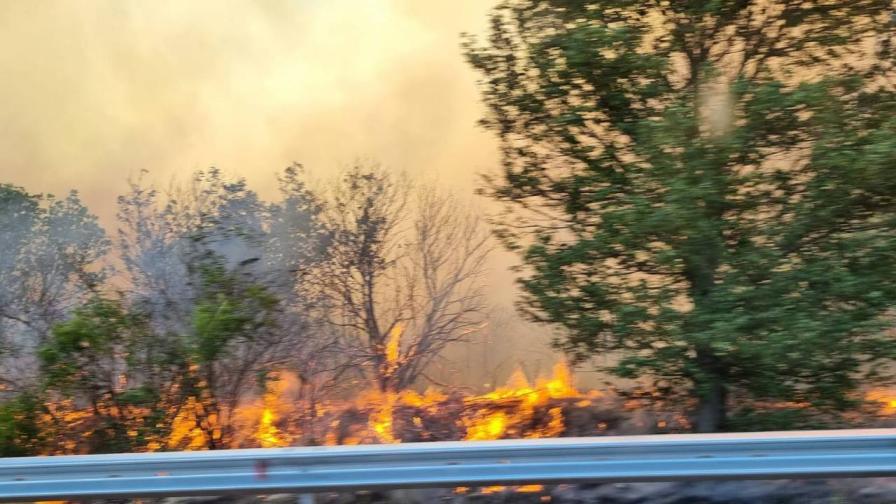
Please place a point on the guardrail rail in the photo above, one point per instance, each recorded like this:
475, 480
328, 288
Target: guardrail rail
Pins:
764, 455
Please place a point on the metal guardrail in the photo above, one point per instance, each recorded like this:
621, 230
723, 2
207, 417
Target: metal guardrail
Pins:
768, 455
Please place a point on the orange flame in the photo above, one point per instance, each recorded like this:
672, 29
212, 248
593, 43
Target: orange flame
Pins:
186, 432
521, 401
393, 344
518, 409
380, 421
885, 397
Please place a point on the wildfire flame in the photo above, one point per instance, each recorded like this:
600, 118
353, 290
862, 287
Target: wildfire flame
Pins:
885, 397
521, 402
281, 415
380, 420
393, 345
187, 427
518, 409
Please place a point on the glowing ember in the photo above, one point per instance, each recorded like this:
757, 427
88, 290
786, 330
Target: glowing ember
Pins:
521, 489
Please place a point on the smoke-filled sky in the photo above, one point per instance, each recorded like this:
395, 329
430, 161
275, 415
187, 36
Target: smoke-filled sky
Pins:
94, 92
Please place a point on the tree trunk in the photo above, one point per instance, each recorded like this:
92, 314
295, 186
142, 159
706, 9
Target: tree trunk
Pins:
711, 408
383, 380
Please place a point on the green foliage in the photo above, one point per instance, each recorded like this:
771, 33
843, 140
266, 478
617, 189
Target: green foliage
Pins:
20, 432
94, 332
106, 357
229, 310
758, 420
233, 319
721, 219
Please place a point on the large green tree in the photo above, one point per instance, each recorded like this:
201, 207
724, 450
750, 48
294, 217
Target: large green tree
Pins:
703, 188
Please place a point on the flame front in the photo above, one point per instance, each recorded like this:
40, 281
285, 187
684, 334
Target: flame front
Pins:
279, 417
282, 416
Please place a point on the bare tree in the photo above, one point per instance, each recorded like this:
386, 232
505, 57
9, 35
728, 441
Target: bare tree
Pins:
447, 256
403, 279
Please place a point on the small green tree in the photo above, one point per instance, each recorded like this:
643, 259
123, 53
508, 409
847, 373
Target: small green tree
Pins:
135, 386
104, 360
233, 323
704, 188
